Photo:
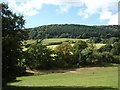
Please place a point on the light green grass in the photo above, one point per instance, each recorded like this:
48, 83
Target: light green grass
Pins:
52, 40
100, 77
30, 41
99, 45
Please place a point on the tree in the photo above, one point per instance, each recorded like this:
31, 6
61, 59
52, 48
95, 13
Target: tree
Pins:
90, 56
116, 48
94, 40
12, 25
64, 55
39, 57
77, 48
105, 48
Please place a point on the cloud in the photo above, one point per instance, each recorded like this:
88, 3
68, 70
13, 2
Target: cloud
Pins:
107, 9
32, 7
63, 9
113, 20
105, 15
95, 7
29, 8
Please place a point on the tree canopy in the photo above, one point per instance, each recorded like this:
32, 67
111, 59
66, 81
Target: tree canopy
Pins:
12, 25
73, 31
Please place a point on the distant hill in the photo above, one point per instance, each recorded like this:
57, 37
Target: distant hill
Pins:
73, 31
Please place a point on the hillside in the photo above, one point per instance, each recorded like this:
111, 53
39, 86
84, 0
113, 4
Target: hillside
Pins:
73, 31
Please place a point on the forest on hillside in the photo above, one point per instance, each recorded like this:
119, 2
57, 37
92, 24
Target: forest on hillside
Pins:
73, 31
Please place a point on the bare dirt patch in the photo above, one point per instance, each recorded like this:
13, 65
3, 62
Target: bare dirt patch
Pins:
74, 71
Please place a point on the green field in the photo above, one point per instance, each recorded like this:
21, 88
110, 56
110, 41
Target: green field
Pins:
53, 40
95, 78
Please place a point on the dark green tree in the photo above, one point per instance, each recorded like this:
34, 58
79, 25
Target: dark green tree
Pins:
105, 48
77, 48
12, 26
39, 57
64, 55
116, 48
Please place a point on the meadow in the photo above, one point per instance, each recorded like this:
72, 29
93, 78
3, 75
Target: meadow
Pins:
56, 41
82, 78
92, 78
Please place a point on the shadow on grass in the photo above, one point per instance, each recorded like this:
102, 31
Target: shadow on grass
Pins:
57, 88
101, 65
15, 81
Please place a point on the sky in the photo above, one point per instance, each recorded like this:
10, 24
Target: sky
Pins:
84, 12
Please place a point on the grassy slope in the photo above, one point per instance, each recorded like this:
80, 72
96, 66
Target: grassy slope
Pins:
100, 77
52, 40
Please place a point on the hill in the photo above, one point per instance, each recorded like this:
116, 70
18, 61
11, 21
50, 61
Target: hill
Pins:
73, 31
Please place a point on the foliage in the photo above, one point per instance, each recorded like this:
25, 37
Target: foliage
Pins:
77, 48
116, 48
73, 31
105, 48
107, 57
12, 35
39, 57
111, 40
94, 40
64, 55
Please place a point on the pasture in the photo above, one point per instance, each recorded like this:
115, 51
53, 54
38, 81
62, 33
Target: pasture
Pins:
92, 78
54, 42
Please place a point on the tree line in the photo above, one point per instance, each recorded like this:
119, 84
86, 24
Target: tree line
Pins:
73, 31
67, 56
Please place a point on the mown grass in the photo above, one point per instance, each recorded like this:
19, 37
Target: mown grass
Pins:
105, 78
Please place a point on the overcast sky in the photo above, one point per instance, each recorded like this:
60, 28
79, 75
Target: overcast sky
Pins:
87, 12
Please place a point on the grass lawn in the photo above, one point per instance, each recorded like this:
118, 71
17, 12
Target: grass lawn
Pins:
96, 78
